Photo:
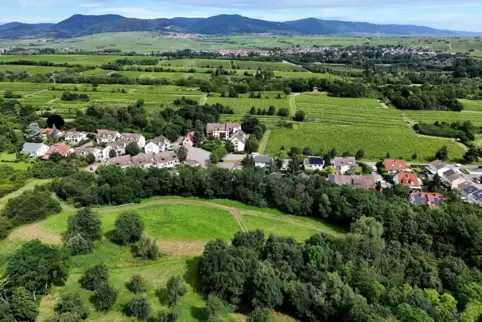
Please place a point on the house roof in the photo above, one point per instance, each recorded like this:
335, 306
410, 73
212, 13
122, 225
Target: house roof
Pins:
143, 158
340, 179
263, 159
165, 157
438, 164
478, 195
240, 135
122, 160
455, 177
191, 162
448, 173
359, 181
160, 140
117, 144
211, 127
408, 179
107, 133
62, 149
131, 136
31, 147
314, 161
433, 200
469, 190
338, 162
88, 149
394, 165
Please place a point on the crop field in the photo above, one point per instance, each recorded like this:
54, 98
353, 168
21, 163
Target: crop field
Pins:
229, 64
31, 69
243, 105
446, 116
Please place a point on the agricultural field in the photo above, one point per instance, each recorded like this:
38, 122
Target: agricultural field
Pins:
447, 116
31, 69
472, 105
243, 104
229, 64
181, 226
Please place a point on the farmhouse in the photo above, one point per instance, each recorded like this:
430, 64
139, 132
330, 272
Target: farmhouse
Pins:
133, 137
344, 164
314, 163
357, 181
106, 136
409, 180
75, 137
34, 149
62, 149
262, 161
222, 131
156, 145
433, 200
395, 166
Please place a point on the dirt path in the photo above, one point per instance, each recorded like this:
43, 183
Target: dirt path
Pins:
35, 231
264, 142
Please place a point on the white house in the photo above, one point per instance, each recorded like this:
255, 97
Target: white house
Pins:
188, 140
119, 147
134, 137
262, 161
75, 137
222, 131
106, 136
239, 140
34, 149
343, 164
314, 163
84, 151
157, 145
166, 159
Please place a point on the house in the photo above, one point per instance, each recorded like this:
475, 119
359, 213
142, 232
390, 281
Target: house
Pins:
262, 161
239, 140
167, 159
409, 180
453, 178
75, 137
158, 144
433, 200
52, 132
395, 166
118, 146
133, 137
434, 167
314, 163
62, 149
343, 164
477, 197
468, 190
35, 149
222, 131
84, 151
143, 160
188, 140
357, 181
122, 161
106, 136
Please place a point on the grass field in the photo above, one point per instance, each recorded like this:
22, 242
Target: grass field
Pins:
8, 159
31, 184
31, 69
243, 105
471, 105
229, 64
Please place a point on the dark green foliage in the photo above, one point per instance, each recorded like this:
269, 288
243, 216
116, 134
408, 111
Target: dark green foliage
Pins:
94, 277
57, 120
146, 248
253, 240
251, 146
267, 287
283, 112
72, 303
167, 316
216, 308
22, 306
105, 297
260, 315
5, 313
138, 308
128, 228
464, 131
35, 266
229, 146
182, 154
299, 116
77, 245
68, 96
90, 158
4, 227
86, 223
137, 284
132, 149
175, 290
442, 154
360, 154
30, 206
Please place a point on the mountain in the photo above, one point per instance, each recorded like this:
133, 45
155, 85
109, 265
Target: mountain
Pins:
81, 25
236, 24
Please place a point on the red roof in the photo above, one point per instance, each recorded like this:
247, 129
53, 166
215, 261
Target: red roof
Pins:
62, 149
433, 200
394, 165
408, 179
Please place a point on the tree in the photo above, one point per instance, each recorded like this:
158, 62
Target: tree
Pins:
33, 133
252, 111
287, 91
307, 151
136, 284
104, 298
112, 153
90, 158
248, 162
271, 110
57, 120
5, 313
360, 154
146, 248
299, 116
229, 146
198, 139
95, 276
216, 308
4, 227
260, 315
72, 303
283, 112
387, 156
294, 164
138, 308
129, 228
213, 158
414, 156
267, 287
167, 316
77, 245
132, 148
86, 223
175, 290
22, 305
251, 146
442, 154
182, 154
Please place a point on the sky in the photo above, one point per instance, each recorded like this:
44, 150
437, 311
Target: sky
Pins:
442, 14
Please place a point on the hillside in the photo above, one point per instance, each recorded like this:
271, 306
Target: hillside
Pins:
80, 25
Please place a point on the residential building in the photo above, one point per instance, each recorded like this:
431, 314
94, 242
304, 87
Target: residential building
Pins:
395, 166
468, 190
34, 149
192, 163
122, 161
344, 164
106, 136
188, 140
239, 140
167, 159
434, 167
262, 161
314, 163
357, 181
409, 180
158, 144
133, 137
75, 137
144, 160
433, 200
477, 197
118, 146
84, 151
52, 132
222, 131
453, 178
62, 149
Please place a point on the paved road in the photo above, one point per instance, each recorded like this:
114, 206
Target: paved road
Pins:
198, 155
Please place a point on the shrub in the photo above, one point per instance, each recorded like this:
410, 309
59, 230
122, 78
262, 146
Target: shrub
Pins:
4, 227
260, 315
129, 228
175, 290
146, 248
86, 223
216, 308
72, 303
138, 308
167, 316
136, 284
94, 277
22, 305
77, 245
104, 298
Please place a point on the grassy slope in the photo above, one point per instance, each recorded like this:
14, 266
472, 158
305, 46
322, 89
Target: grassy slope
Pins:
29, 186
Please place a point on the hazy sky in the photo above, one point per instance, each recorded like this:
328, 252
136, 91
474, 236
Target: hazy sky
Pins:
444, 14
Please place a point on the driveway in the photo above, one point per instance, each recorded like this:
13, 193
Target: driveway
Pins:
199, 155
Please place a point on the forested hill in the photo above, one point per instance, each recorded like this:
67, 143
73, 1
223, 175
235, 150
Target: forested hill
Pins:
81, 25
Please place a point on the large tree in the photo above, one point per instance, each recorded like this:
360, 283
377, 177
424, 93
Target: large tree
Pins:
33, 133
128, 228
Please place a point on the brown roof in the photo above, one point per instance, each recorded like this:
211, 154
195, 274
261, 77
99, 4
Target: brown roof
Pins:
211, 127
143, 159
158, 140
165, 157
107, 133
131, 136
394, 165
341, 161
408, 179
122, 160
359, 181
62, 149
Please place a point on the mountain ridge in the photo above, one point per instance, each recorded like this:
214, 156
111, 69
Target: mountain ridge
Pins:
81, 25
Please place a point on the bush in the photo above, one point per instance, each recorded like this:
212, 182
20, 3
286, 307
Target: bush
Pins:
72, 303
175, 290
216, 308
77, 245
138, 308
167, 316
146, 248
86, 223
4, 227
129, 228
104, 298
283, 112
94, 277
260, 315
136, 284
22, 305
